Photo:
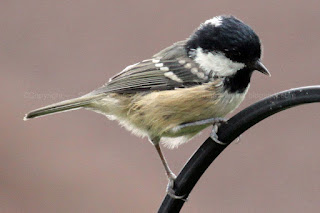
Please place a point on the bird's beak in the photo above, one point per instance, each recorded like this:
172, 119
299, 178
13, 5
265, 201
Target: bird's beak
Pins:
261, 68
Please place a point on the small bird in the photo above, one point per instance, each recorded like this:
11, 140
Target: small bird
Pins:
181, 90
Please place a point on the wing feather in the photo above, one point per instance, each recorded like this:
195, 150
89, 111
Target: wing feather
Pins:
168, 69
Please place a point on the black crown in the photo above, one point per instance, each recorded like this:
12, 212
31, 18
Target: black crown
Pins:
232, 37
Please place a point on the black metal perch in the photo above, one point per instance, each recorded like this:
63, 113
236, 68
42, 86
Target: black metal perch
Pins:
236, 125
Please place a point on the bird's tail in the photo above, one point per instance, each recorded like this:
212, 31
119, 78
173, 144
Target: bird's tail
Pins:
67, 105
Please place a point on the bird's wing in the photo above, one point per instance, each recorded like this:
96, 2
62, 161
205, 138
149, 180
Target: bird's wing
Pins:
169, 69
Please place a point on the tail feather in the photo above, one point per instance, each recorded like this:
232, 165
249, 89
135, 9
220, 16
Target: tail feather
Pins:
61, 106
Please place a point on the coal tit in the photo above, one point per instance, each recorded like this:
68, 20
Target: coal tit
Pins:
181, 90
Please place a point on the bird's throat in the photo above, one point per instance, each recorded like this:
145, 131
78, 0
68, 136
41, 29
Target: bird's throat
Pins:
238, 82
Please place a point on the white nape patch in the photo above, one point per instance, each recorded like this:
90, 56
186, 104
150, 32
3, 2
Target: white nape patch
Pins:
173, 76
216, 21
159, 65
216, 62
164, 69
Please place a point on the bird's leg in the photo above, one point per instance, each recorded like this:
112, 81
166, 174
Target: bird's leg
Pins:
171, 176
215, 121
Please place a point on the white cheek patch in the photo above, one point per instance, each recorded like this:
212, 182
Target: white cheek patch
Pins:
217, 63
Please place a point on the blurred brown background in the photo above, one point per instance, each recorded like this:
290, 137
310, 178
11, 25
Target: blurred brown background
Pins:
81, 162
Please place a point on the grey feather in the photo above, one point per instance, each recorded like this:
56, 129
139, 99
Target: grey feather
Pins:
141, 77
148, 75
71, 104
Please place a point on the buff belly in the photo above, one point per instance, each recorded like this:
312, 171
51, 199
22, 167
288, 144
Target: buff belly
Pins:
158, 114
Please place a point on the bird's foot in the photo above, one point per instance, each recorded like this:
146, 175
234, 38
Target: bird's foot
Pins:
170, 188
218, 121
214, 131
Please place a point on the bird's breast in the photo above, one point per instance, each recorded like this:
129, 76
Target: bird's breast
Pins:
158, 112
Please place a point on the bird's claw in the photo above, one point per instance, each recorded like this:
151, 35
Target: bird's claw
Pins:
171, 191
214, 131
218, 121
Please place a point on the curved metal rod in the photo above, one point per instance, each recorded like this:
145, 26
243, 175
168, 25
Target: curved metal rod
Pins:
235, 126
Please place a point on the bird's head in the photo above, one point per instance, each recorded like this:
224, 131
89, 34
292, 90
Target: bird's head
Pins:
225, 45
